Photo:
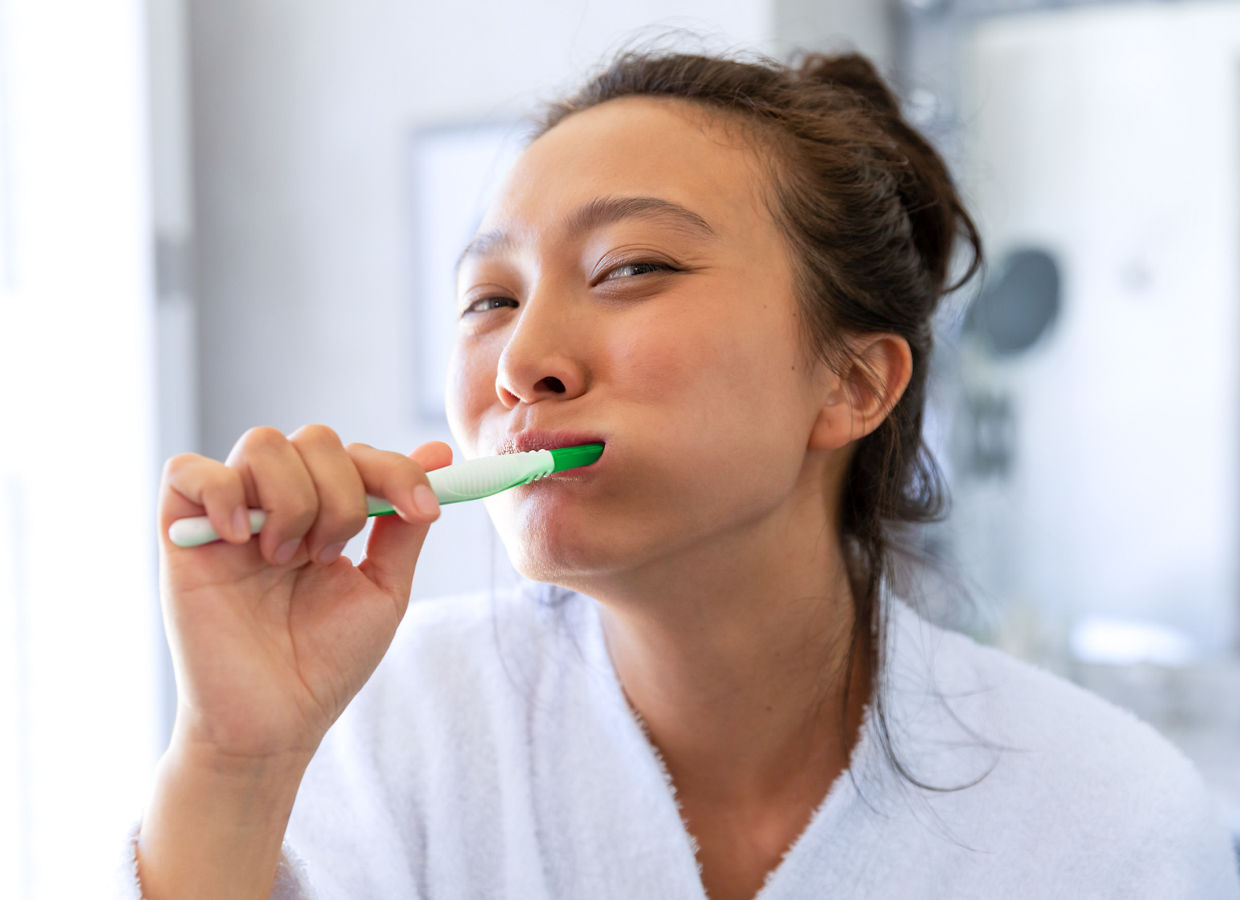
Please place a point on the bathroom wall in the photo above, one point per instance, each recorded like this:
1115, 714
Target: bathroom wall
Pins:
303, 118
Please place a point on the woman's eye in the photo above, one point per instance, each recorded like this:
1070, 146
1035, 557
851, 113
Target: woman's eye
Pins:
629, 270
486, 304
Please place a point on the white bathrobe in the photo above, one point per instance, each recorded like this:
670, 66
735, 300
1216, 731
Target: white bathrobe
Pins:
493, 754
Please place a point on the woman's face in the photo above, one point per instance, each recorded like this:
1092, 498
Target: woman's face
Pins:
630, 286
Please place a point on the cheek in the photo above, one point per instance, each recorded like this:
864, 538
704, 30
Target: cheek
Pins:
647, 354
737, 363
469, 391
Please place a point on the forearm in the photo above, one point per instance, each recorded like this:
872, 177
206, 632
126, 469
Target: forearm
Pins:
214, 828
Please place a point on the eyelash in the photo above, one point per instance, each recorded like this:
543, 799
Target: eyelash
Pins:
474, 306
498, 301
650, 265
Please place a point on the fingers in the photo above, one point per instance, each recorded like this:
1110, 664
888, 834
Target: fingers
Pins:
194, 485
339, 491
432, 455
401, 480
312, 489
278, 481
394, 545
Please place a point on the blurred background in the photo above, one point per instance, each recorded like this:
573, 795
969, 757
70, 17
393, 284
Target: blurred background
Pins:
216, 214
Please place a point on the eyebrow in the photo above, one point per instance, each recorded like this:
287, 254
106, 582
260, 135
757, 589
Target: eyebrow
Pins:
597, 213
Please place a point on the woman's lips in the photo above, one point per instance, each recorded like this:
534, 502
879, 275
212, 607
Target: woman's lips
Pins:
546, 440
534, 439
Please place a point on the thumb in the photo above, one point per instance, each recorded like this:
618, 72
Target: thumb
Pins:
394, 545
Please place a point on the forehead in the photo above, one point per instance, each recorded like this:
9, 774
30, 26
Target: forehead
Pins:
641, 147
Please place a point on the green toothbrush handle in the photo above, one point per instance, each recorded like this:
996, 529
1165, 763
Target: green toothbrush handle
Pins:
477, 478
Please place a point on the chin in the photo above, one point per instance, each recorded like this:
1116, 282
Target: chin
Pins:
579, 559
548, 540
566, 566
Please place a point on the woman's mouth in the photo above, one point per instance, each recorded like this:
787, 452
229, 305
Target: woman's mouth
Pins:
537, 439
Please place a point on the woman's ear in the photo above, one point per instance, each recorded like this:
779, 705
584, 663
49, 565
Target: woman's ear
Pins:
858, 398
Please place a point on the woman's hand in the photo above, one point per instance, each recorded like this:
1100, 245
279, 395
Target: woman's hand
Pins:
272, 636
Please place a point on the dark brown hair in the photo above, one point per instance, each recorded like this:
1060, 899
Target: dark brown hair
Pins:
872, 217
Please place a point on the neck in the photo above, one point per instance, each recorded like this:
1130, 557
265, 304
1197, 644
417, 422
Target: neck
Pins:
736, 656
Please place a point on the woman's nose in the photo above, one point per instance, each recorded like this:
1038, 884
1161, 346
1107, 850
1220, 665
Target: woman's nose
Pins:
542, 359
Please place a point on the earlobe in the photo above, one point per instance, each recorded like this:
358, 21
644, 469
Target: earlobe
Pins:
858, 399
833, 426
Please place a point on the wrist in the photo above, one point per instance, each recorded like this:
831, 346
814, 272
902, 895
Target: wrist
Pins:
272, 772
215, 823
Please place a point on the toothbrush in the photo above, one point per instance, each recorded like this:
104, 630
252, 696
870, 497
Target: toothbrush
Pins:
468, 480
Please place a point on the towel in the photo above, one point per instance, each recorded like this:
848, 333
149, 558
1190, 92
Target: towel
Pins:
493, 754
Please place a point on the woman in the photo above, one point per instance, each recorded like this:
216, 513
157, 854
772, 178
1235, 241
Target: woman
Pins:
725, 272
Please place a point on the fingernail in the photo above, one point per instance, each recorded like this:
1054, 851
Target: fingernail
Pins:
425, 501
241, 524
330, 553
286, 551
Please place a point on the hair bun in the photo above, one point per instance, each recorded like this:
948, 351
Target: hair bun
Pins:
854, 73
